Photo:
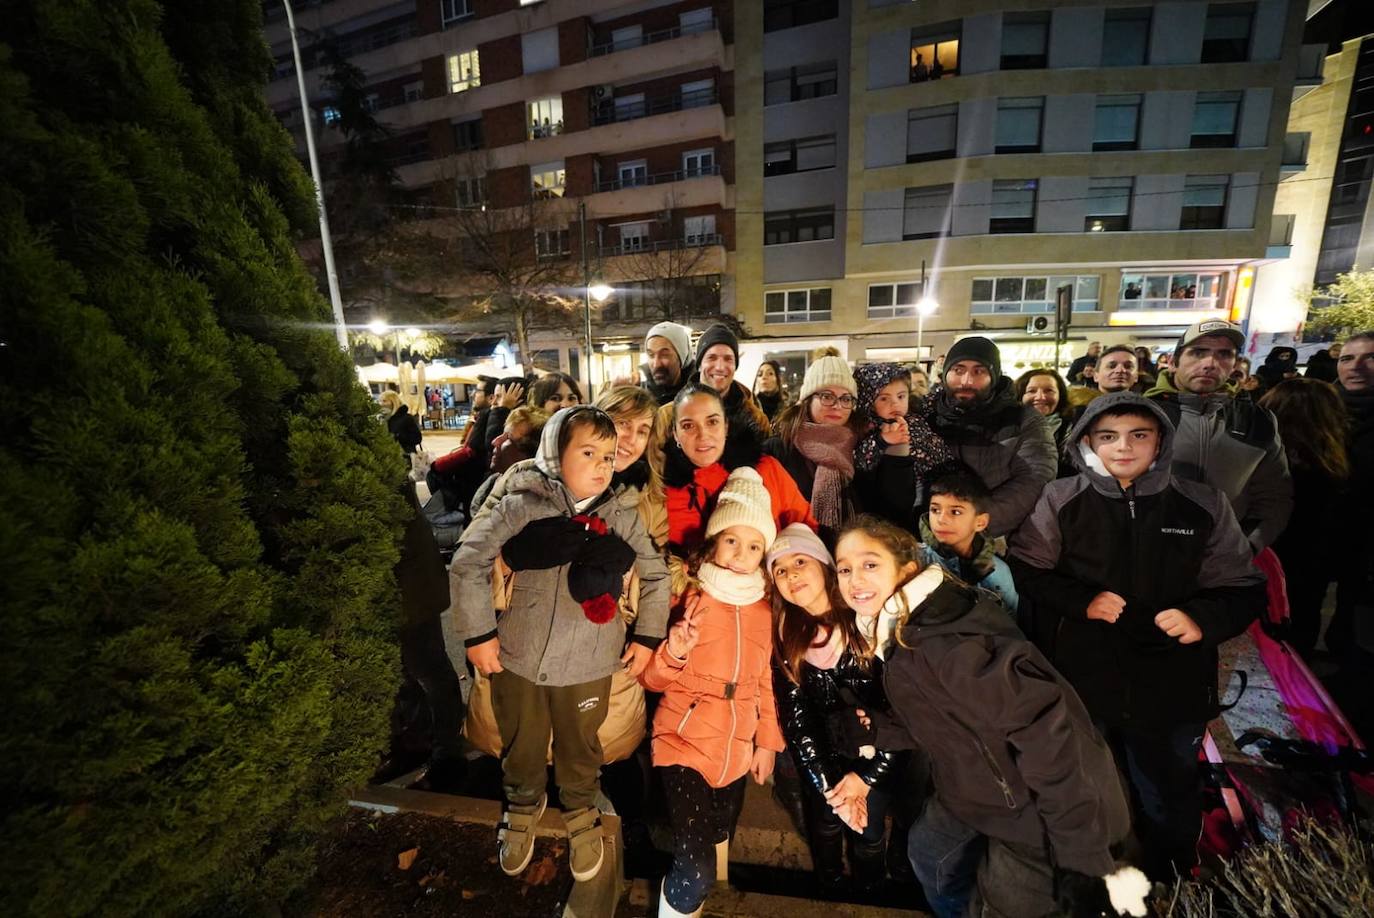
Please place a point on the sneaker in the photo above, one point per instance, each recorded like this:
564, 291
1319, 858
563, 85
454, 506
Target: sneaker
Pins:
515, 837
584, 841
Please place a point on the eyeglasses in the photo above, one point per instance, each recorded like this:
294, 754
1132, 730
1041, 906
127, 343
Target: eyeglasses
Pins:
830, 400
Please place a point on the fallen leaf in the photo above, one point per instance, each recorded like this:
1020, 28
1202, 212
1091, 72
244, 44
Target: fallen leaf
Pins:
541, 871
406, 858
469, 894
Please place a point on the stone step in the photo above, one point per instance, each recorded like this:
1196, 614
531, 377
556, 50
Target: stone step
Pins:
729, 902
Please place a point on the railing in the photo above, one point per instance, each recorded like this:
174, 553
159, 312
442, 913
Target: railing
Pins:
661, 178
646, 247
544, 129
651, 38
611, 113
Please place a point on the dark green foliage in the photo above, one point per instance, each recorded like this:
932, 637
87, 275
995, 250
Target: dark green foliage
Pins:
198, 510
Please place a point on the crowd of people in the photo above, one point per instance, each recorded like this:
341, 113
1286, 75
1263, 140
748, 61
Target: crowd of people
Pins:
986, 612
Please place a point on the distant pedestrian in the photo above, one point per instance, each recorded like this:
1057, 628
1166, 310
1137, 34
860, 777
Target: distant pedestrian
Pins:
1088, 359
400, 422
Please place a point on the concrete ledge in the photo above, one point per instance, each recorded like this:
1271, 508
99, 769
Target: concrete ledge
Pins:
725, 902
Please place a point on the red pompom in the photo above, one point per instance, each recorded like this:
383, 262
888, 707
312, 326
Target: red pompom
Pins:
600, 609
594, 524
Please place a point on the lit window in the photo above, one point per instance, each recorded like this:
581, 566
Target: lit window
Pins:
1170, 291
1004, 295
545, 117
1109, 205
935, 52
548, 180
463, 71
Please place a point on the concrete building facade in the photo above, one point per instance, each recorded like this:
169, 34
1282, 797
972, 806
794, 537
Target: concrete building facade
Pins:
1131, 153
622, 108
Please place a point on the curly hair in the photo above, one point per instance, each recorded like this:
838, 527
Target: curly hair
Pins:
1312, 422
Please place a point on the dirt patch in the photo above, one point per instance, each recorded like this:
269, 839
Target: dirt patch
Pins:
452, 870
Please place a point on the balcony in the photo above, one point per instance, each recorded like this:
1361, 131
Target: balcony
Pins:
661, 178
1280, 236
642, 246
1294, 161
616, 112
652, 38
1311, 60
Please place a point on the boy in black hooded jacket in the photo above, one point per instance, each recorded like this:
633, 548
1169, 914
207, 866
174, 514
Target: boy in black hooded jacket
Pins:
1135, 578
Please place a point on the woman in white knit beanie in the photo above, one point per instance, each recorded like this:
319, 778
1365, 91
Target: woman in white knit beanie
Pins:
815, 440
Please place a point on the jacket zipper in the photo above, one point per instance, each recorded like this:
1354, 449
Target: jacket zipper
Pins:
682, 723
734, 680
997, 775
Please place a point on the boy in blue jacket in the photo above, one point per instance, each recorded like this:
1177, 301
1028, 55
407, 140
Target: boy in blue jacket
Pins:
952, 533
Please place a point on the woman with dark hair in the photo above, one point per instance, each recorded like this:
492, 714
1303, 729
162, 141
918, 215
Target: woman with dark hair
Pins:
698, 456
1312, 424
508, 395
1145, 364
769, 391
555, 391
815, 441
1045, 391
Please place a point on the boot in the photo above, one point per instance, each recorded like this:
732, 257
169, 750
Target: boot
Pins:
667, 911
867, 866
723, 862
827, 859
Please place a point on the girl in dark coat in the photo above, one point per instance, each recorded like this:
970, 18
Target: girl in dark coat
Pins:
401, 422
825, 667
898, 450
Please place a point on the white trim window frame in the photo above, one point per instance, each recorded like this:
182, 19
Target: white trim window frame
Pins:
787, 307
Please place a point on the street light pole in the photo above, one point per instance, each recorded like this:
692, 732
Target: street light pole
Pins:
586, 298
331, 273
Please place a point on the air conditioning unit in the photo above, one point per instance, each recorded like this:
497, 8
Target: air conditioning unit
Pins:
1038, 325
603, 93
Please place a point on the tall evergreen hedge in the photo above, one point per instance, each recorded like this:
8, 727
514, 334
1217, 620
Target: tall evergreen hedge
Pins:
198, 509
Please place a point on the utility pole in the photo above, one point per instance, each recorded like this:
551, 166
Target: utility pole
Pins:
586, 297
331, 273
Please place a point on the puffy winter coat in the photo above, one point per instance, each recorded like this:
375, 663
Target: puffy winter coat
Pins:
1013, 751
806, 708
1163, 544
545, 635
1005, 442
717, 704
1231, 444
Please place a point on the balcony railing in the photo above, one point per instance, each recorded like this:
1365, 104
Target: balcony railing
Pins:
360, 42
661, 178
652, 38
646, 246
611, 113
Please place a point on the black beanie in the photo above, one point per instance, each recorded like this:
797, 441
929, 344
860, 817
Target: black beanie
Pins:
976, 348
717, 334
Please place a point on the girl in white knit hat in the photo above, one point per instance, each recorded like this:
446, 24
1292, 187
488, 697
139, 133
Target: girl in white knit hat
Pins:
716, 723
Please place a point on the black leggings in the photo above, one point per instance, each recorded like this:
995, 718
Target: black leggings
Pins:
702, 816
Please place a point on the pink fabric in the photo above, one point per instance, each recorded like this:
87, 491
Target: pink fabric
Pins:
1276, 586
825, 654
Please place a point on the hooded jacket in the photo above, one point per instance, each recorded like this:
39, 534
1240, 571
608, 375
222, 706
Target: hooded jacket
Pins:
984, 569
545, 636
1161, 544
717, 704
1005, 442
1013, 752
1233, 445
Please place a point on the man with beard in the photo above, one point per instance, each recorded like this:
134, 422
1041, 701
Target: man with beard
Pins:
1229, 443
669, 367
976, 411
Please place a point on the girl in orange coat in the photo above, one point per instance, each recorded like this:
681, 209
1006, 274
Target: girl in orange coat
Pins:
717, 721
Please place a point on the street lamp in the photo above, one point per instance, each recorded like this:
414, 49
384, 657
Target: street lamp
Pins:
598, 292
925, 307
378, 327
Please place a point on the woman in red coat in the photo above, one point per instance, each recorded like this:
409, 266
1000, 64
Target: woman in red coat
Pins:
700, 454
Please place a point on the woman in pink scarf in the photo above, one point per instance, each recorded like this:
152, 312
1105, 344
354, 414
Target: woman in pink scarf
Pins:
816, 438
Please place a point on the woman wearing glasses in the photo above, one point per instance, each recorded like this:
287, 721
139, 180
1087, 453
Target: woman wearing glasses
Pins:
815, 442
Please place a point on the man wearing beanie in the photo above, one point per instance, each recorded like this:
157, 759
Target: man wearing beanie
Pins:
668, 346
976, 411
716, 360
1227, 442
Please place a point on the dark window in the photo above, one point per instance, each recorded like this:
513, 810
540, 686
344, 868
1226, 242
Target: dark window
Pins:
926, 212
811, 224
467, 135
1109, 205
805, 154
1215, 115
1126, 37
1116, 123
784, 14
1204, 202
932, 133
1025, 40
1013, 206
1018, 124
551, 243
1226, 37
795, 84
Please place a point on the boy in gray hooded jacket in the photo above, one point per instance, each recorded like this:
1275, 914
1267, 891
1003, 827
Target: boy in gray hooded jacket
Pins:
571, 541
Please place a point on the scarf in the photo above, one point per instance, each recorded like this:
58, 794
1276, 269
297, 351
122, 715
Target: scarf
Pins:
901, 605
724, 585
825, 653
831, 448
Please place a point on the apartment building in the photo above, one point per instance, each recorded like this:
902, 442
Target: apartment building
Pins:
1326, 221
987, 154
619, 111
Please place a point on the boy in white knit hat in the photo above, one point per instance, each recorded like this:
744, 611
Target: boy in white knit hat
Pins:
717, 722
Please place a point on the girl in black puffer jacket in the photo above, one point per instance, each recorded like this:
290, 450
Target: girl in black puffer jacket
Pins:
824, 668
